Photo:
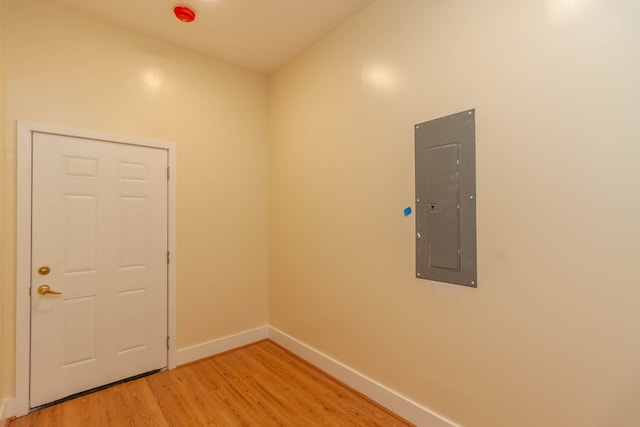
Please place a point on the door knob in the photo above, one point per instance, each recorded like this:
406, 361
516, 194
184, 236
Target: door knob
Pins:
45, 289
44, 270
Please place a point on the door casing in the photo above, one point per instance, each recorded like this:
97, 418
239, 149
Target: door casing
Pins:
23, 254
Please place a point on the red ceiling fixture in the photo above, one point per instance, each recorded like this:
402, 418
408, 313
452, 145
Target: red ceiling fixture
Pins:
184, 13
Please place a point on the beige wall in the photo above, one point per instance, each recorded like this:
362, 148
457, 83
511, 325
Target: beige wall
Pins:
550, 337
67, 69
3, 311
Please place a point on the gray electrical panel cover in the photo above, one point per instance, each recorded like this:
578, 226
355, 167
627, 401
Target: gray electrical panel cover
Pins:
446, 199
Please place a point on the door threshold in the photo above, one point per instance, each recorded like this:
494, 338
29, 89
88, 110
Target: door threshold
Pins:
93, 390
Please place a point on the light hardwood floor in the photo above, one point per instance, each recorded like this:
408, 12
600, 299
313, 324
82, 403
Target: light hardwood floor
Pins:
258, 385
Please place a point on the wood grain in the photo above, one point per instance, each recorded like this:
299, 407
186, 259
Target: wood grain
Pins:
258, 385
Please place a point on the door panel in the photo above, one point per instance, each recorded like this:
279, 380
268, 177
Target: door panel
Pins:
79, 233
78, 330
100, 223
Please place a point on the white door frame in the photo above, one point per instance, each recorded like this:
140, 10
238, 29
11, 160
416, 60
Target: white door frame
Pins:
23, 267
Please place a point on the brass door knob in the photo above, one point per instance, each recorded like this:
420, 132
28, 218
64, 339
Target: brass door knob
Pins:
46, 290
44, 270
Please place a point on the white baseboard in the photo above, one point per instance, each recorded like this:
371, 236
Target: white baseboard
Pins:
7, 409
211, 348
406, 408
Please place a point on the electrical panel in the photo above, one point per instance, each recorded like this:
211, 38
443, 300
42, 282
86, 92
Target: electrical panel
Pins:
446, 199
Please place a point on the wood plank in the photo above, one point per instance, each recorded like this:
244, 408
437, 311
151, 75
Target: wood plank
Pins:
258, 385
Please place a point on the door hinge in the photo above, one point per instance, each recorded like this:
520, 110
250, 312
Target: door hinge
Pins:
168, 257
168, 343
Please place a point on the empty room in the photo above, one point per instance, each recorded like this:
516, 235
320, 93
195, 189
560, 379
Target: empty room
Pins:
334, 212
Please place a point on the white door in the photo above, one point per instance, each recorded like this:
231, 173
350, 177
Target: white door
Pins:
99, 224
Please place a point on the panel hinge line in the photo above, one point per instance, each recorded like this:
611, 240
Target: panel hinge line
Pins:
168, 257
168, 172
167, 342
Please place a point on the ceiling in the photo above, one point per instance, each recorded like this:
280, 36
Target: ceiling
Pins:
258, 35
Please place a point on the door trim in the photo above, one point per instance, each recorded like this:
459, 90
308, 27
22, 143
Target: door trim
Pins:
23, 255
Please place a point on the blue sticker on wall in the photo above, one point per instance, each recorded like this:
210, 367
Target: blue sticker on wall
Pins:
407, 211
